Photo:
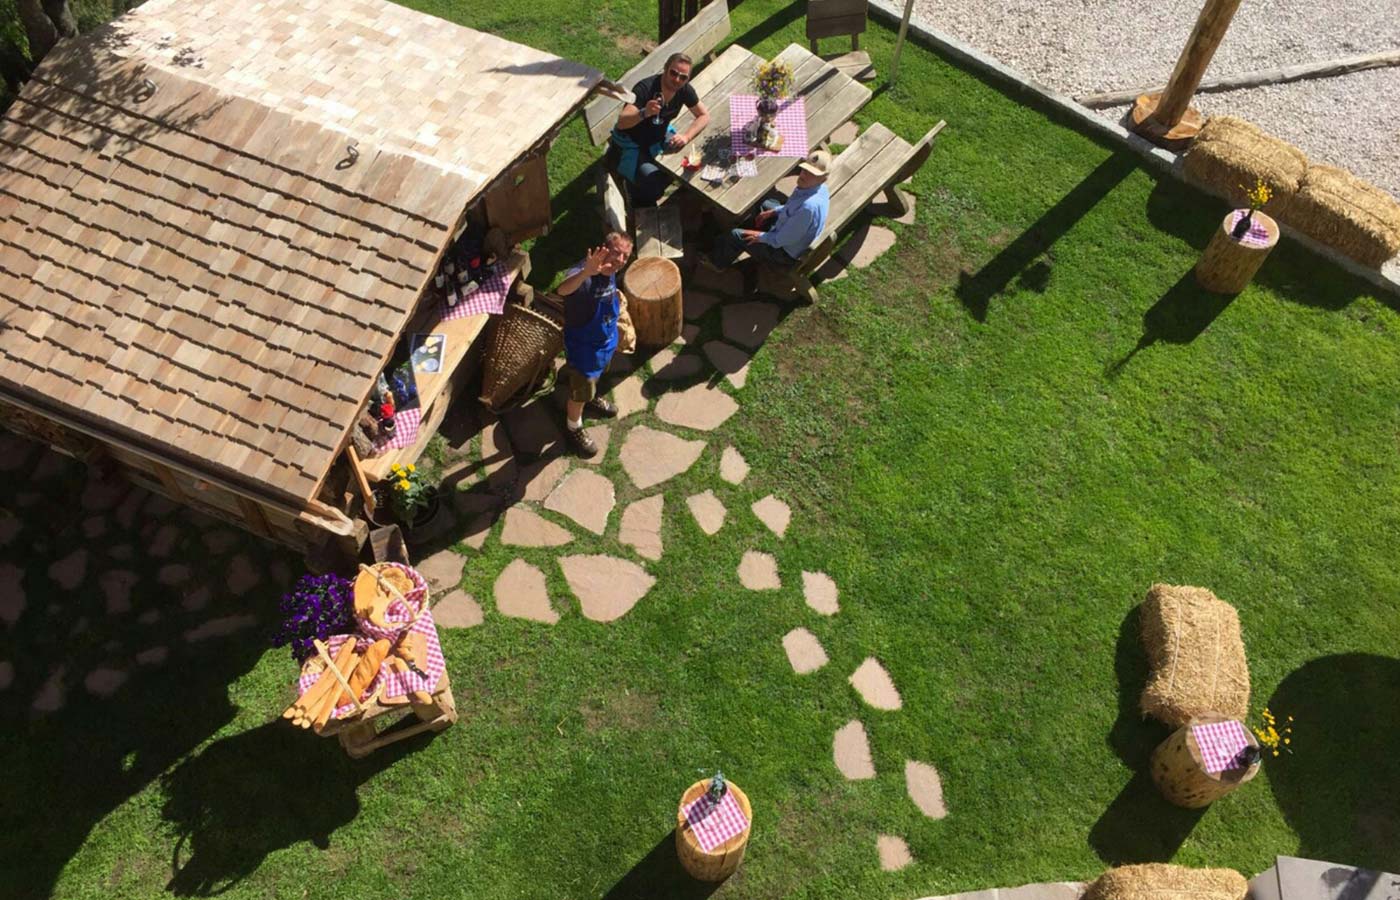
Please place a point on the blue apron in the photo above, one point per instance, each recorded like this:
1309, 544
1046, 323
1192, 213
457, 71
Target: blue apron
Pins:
589, 347
628, 153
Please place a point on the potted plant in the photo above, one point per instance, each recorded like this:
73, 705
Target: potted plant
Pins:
412, 501
316, 607
1257, 196
772, 82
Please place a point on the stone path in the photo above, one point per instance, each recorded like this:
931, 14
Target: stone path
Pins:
708, 511
641, 527
521, 593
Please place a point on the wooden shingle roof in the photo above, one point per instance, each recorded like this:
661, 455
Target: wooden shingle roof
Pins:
216, 277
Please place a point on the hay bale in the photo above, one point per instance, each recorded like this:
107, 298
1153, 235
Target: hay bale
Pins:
1230, 154
1196, 654
1161, 881
1353, 216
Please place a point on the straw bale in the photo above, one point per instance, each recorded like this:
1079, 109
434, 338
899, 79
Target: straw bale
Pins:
1193, 645
1162, 881
1230, 154
1353, 216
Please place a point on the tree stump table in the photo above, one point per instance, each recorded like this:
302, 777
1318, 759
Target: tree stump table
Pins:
653, 287
693, 837
1201, 762
1228, 263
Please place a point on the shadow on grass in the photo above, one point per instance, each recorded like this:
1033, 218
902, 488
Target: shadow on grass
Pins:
770, 25
1338, 788
1020, 259
578, 226
1180, 316
660, 874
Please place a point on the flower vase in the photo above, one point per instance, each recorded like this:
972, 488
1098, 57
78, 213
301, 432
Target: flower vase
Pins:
766, 131
1242, 226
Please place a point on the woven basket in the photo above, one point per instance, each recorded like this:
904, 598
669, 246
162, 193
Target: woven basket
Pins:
522, 346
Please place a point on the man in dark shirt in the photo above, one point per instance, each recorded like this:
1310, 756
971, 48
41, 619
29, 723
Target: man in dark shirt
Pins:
643, 129
591, 308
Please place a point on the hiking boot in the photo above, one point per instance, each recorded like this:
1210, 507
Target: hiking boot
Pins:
579, 442
600, 408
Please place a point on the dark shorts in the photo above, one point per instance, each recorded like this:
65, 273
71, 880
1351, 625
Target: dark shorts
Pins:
581, 389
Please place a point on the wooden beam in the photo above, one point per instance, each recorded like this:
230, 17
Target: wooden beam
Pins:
366, 494
899, 42
1164, 117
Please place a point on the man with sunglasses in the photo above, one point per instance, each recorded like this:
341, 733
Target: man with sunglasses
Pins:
591, 308
643, 131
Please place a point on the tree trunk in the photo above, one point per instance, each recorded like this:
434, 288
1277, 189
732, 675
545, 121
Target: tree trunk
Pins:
62, 17
14, 68
38, 27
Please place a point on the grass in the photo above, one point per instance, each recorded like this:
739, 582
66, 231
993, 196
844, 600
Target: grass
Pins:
994, 439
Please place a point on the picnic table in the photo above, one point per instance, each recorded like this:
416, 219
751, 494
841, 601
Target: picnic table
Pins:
829, 97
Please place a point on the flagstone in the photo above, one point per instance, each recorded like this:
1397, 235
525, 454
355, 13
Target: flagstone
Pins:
51, 695
650, 457
606, 587
104, 681
875, 686
730, 360
534, 428
668, 365
641, 527
220, 627
164, 541
845, 134
732, 467
539, 478
696, 303
851, 750
759, 571
12, 599
894, 852
116, 590
804, 651
749, 324
99, 495
602, 436
243, 576
721, 281
149, 617
476, 500
834, 269
708, 511
820, 592
152, 656
70, 571
884, 205
628, 397
586, 497
130, 506
866, 245
495, 446
526, 528
689, 333
7, 674
774, 513
94, 527
521, 593
478, 529
700, 407
219, 541
173, 574
442, 570
197, 599
458, 610
925, 788
121, 552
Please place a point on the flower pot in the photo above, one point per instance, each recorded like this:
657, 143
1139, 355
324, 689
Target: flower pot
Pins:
384, 515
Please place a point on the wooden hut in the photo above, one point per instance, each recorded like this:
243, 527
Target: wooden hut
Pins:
218, 218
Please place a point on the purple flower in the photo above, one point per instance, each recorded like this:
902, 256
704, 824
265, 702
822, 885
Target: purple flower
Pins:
317, 606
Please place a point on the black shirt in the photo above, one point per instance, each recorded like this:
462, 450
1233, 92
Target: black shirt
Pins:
650, 131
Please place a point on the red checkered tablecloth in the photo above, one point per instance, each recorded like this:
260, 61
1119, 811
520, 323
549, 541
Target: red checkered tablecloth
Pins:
490, 297
1256, 236
1221, 744
712, 823
406, 422
791, 124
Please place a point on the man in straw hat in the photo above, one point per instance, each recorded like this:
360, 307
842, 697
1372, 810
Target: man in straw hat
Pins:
782, 232
591, 309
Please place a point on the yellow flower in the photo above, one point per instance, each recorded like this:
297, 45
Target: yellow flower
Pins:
403, 484
412, 467
1288, 740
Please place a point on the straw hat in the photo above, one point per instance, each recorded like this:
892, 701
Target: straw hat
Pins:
818, 163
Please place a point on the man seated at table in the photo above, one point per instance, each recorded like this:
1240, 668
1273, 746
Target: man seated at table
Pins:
643, 131
591, 308
782, 232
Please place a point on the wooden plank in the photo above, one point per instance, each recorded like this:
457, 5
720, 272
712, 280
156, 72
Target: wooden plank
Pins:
366, 494
519, 204
253, 515
659, 232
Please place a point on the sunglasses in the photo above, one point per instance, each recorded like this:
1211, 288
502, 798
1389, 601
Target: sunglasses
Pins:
679, 76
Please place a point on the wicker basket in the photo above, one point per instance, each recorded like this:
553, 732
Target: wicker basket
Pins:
522, 346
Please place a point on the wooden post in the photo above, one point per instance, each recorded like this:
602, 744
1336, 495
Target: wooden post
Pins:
1168, 118
719, 863
1227, 265
899, 42
1180, 773
653, 287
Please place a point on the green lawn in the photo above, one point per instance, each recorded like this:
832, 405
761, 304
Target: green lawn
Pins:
994, 439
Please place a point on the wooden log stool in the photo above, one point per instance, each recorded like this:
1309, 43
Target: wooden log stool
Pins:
720, 861
1228, 263
653, 287
1200, 762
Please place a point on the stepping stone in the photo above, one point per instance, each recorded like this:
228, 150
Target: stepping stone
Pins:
197, 599
149, 617
667, 365
130, 506
458, 610
104, 682
51, 695
99, 496
820, 593
116, 589
534, 428
641, 527
606, 587
9, 527
7, 675
804, 651
602, 436
221, 627
152, 656
539, 478
121, 552
759, 572
12, 600
442, 570
925, 788
749, 324
894, 853
845, 134
688, 334
495, 447
730, 360
586, 497
173, 574
732, 467
875, 686
650, 457
94, 527
69, 572
219, 541
774, 513
708, 511
851, 750
866, 245
697, 303
527, 528
700, 407
164, 541
474, 500
1073, 890
628, 397
478, 529
521, 593
885, 206
834, 269
725, 281
243, 576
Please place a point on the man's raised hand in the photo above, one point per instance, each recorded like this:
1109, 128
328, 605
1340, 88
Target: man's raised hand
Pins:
594, 261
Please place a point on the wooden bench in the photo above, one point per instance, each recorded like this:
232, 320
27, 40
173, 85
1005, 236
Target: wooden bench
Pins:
877, 161
697, 39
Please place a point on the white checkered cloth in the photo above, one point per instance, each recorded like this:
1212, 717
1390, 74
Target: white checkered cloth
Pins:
490, 297
713, 824
1221, 744
791, 124
406, 424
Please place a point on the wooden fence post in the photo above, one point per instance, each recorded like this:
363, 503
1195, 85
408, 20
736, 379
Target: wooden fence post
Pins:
1168, 118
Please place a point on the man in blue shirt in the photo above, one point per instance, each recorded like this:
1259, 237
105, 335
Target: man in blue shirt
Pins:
591, 308
783, 231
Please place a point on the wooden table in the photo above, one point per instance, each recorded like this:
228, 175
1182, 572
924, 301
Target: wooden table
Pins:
831, 99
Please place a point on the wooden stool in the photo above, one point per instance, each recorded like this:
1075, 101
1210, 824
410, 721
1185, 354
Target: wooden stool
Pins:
653, 287
360, 736
1227, 264
1180, 773
719, 863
